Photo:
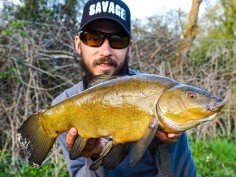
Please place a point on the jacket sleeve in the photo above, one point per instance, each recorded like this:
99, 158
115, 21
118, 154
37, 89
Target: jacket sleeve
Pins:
80, 166
175, 160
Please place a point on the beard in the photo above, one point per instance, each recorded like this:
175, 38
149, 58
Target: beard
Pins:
88, 74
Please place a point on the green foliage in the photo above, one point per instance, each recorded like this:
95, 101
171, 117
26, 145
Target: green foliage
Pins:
15, 27
8, 73
219, 22
217, 27
33, 10
67, 12
215, 158
44, 171
210, 51
49, 12
5, 158
11, 72
23, 169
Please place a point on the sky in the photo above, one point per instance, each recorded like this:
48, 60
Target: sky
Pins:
144, 8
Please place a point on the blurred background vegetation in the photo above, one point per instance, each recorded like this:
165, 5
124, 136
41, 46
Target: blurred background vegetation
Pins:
37, 62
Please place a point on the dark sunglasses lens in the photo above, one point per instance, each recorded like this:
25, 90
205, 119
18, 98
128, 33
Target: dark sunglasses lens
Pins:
95, 39
118, 42
92, 39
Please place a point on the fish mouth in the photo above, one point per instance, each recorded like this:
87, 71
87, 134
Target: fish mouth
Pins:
216, 106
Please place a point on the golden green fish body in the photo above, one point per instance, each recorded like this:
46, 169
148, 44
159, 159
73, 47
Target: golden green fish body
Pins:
124, 108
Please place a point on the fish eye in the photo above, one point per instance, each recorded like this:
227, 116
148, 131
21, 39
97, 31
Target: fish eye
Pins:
192, 95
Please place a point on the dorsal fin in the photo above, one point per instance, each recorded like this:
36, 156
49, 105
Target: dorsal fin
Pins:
100, 78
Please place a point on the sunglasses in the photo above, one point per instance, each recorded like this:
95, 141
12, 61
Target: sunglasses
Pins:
96, 39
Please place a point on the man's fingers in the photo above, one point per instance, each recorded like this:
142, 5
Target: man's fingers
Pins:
70, 138
94, 147
98, 147
168, 138
174, 135
161, 136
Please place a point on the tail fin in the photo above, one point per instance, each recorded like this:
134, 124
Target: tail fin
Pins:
32, 136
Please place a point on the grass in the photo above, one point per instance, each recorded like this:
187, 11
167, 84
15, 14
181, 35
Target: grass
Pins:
23, 169
215, 158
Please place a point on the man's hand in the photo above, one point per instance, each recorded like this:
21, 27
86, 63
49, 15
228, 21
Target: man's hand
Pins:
168, 137
93, 147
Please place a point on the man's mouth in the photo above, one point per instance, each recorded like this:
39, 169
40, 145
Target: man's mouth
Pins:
105, 62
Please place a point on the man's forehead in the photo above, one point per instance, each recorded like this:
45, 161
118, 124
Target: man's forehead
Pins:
107, 25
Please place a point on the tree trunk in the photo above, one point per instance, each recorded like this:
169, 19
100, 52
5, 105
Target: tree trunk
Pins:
189, 35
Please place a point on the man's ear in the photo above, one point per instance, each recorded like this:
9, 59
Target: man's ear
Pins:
77, 44
129, 49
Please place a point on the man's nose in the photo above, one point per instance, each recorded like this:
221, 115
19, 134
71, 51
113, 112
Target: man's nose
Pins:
106, 49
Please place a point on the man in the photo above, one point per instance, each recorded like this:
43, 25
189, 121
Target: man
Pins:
104, 44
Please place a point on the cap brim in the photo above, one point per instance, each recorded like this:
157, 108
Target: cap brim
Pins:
105, 18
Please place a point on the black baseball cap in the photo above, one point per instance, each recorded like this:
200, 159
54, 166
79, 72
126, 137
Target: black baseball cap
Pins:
115, 10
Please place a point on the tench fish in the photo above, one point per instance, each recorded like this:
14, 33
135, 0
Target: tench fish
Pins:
126, 109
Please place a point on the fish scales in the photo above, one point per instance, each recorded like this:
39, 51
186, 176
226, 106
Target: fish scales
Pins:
106, 107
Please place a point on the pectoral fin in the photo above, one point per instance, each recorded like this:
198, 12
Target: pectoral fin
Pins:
141, 146
77, 147
104, 152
